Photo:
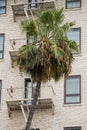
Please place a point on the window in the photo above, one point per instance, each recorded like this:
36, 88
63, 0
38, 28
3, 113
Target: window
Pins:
72, 128
1, 46
2, 6
33, 5
0, 91
72, 90
32, 39
73, 4
75, 35
28, 89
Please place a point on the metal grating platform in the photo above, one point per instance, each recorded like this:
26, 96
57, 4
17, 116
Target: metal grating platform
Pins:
18, 9
13, 55
16, 104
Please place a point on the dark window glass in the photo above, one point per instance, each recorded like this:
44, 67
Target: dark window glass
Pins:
72, 128
28, 90
0, 91
33, 5
1, 46
75, 35
2, 6
73, 90
73, 4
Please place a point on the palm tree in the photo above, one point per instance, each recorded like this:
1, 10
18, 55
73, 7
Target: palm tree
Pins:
49, 53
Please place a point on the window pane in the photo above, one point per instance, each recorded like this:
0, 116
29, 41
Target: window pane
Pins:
2, 3
1, 42
2, 10
72, 99
72, 89
74, 35
1, 55
28, 90
73, 5
73, 86
33, 5
2, 6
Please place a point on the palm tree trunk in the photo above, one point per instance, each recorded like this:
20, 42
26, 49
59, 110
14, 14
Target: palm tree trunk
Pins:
32, 108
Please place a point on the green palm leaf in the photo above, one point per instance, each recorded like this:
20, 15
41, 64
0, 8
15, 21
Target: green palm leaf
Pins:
51, 54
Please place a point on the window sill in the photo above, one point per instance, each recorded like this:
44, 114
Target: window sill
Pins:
72, 9
1, 60
72, 105
3, 15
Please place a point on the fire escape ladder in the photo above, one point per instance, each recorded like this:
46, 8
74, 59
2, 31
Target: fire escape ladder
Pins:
23, 112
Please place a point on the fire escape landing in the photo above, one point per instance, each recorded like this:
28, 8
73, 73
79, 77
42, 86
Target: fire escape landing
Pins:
25, 104
20, 9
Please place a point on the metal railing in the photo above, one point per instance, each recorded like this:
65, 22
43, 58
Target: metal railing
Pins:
32, 1
20, 92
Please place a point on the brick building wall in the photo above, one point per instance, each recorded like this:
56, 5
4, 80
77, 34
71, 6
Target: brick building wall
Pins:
65, 115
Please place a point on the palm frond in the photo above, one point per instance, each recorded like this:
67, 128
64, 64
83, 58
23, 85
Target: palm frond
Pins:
53, 55
29, 27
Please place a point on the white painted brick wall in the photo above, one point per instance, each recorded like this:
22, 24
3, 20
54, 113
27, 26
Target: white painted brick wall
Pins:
64, 115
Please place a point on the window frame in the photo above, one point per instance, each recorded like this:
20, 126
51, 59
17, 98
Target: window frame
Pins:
77, 29
0, 92
72, 95
74, 128
5, 7
3, 45
35, 128
66, 2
